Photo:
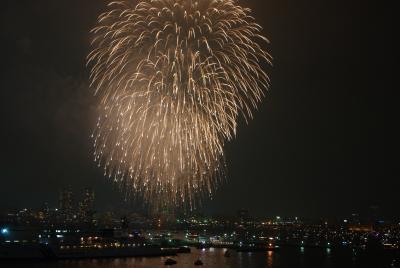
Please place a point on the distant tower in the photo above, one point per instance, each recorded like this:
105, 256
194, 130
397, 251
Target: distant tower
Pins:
243, 215
45, 213
66, 204
86, 206
355, 219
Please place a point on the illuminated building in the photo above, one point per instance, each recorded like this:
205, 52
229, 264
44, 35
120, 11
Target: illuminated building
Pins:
86, 206
66, 204
243, 215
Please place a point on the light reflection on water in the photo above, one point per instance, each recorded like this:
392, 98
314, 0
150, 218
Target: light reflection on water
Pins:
212, 258
270, 259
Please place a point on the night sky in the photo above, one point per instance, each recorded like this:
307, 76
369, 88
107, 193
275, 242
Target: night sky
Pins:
316, 147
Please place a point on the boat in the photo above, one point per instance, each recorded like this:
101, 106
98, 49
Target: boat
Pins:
170, 261
198, 262
79, 252
258, 248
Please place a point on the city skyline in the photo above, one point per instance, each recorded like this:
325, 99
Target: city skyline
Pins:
81, 206
316, 145
186, 133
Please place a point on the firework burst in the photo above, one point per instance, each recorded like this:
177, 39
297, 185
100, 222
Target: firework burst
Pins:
173, 77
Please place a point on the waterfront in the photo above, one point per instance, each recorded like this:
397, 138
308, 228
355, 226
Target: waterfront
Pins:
214, 258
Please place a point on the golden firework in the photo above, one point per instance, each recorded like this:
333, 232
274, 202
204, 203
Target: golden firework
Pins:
173, 77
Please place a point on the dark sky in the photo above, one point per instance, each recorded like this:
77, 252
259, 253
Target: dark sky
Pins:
317, 145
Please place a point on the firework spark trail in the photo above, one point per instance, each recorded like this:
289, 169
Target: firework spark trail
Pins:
173, 78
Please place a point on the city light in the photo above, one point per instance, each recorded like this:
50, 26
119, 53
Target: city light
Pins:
149, 133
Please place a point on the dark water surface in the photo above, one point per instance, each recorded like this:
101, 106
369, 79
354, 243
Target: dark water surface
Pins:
214, 258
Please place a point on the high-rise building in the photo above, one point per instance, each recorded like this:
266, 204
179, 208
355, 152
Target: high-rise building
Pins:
66, 205
44, 213
86, 206
355, 219
243, 215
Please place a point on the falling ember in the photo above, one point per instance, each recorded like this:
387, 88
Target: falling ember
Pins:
173, 77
